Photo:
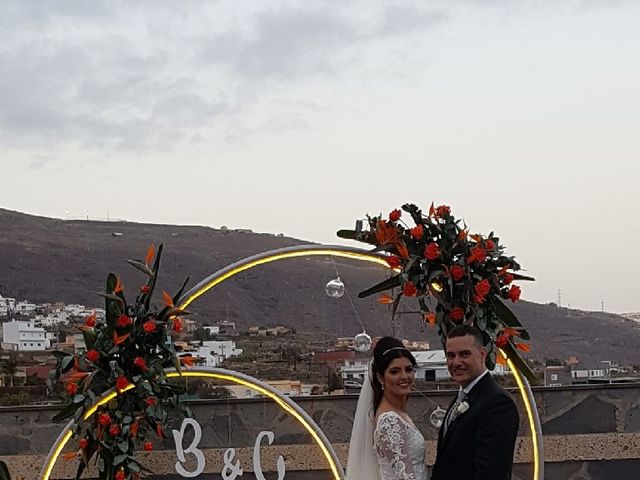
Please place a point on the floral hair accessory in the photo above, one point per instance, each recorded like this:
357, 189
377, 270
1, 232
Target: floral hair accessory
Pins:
457, 277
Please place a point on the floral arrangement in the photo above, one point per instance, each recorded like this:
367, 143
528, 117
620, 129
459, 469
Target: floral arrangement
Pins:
468, 275
127, 352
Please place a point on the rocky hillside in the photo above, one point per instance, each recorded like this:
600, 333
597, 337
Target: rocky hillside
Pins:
46, 260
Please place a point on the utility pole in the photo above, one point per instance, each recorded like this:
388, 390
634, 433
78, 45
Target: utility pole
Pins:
559, 298
602, 305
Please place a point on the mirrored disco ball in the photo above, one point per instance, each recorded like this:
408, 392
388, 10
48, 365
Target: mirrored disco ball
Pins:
437, 417
362, 342
335, 288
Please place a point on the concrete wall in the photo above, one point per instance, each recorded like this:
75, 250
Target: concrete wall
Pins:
591, 433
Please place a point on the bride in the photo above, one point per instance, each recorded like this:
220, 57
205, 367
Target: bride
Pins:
385, 444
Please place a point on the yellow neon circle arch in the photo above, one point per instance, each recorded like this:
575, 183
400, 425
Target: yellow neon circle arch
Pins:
265, 389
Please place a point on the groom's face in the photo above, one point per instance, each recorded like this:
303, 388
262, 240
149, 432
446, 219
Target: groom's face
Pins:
465, 359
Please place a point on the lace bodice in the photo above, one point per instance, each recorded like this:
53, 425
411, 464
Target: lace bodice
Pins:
400, 448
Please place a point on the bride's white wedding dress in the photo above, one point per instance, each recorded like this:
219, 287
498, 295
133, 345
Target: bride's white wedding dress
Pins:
400, 448
393, 449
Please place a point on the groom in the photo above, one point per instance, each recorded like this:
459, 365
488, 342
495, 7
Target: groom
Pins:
478, 434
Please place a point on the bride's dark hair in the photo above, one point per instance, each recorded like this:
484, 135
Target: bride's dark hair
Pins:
386, 350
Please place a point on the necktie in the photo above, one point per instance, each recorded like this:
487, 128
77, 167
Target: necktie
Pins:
453, 413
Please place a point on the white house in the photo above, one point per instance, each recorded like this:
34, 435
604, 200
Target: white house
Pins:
6, 305
25, 308
432, 366
223, 348
352, 372
24, 336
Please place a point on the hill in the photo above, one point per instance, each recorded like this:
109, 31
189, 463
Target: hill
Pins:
48, 260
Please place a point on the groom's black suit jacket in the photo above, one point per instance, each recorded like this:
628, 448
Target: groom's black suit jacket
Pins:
479, 442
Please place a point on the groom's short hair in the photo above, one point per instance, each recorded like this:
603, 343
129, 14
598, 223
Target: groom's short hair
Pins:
464, 330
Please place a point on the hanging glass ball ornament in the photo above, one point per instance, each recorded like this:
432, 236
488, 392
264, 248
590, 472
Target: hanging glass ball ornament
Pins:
437, 417
335, 288
362, 342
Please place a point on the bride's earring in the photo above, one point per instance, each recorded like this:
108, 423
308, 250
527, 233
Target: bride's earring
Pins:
382, 386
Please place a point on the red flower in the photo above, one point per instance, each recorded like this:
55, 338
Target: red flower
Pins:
409, 289
456, 314
72, 388
114, 430
507, 279
140, 363
177, 325
502, 340
150, 401
120, 475
489, 245
395, 215
145, 289
149, 326
457, 273
83, 443
514, 293
93, 355
443, 210
432, 251
477, 255
90, 321
148, 446
104, 419
393, 261
481, 290
122, 382
417, 231
123, 321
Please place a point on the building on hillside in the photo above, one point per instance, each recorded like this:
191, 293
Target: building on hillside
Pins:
287, 387
557, 375
591, 372
352, 373
23, 336
431, 365
25, 308
211, 329
7, 306
415, 344
334, 358
223, 348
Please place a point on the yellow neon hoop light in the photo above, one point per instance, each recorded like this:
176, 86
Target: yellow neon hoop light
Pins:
220, 374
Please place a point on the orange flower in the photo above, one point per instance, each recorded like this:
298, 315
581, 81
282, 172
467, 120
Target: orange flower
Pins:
150, 252
104, 419
167, 299
140, 363
417, 231
133, 429
481, 290
177, 325
114, 430
150, 401
443, 210
402, 249
457, 273
500, 360
430, 318
385, 299
72, 388
502, 340
432, 251
149, 326
409, 289
118, 339
119, 286
188, 361
148, 446
386, 234
122, 382
524, 347
93, 355
120, 475
489, 244
90, 321
477, 255
456, 314
145, 289
123, 321
514, 293
395, 215
83, 443
393, 261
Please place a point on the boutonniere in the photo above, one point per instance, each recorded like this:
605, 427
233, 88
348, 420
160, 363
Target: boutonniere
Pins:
462, 407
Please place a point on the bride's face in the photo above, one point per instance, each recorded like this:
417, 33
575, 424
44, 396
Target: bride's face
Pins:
398, 378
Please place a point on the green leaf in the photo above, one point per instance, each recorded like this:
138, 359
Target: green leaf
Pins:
124, 446
66, 363
388, 284
78, 398
140, 266
119, 459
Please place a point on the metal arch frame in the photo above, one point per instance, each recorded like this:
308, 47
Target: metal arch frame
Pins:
356, 253
284, 402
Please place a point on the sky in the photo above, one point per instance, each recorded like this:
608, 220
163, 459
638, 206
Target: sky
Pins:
300, 117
